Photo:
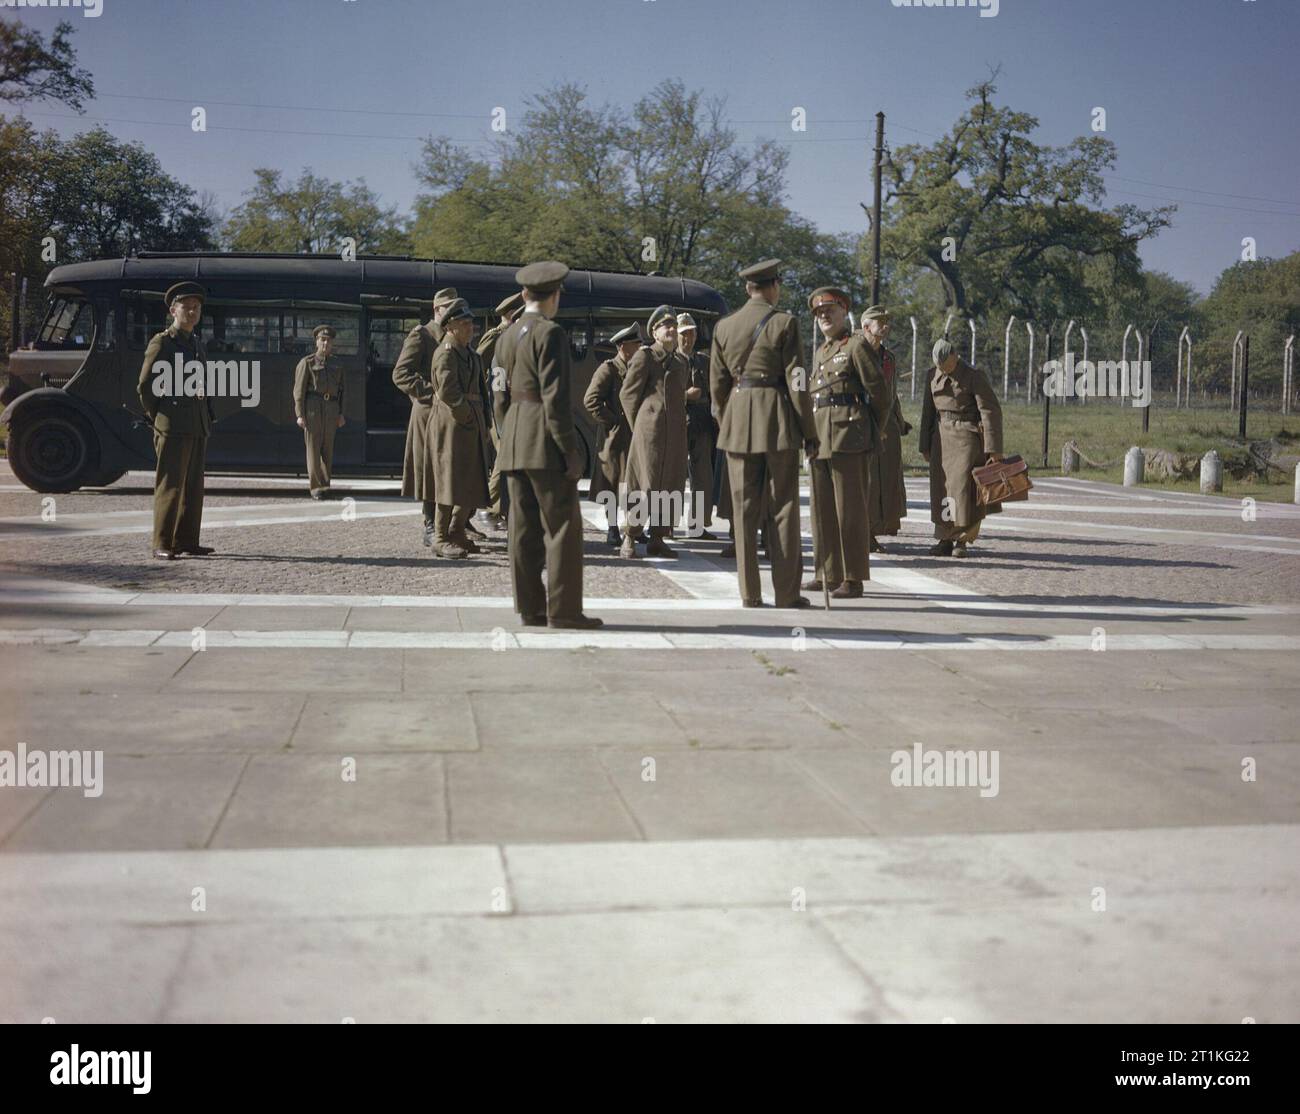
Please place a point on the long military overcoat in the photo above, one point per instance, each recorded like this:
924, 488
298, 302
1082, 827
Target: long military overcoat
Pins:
458, 435
654, 400
961, 423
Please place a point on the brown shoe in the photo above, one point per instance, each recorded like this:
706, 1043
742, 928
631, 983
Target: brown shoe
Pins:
796, 603
942, 549
164, 554
849, 590
628, 549
473, 530
449, 549
575, 622
751, 603
728, 550
657, 547
464, 541
532, 620
959, 549
813, 585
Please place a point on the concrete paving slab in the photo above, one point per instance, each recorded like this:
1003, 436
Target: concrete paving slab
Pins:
261, 669
302, 800
768, 717
157, 887
700, 966
559, 795
417, 619
119, 723
76, 669
715, 794
119, 616
565, 719
160, 801
17, 803
507, 671
75, 974
348, 723
278, 618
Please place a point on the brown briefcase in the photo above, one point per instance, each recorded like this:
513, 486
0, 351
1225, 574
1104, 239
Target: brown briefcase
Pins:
1003, 481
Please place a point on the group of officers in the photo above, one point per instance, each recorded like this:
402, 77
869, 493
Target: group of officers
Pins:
666, 414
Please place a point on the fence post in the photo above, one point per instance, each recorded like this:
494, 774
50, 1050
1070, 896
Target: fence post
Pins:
1245, 386
1047, 403
1186, 397
971, 322
1144, 353
1236, 363
913, 321
1006, 357
1123, 359
1029, 375
1288, 372
1084, 333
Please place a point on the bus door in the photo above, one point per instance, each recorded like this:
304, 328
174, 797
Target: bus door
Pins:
388, 410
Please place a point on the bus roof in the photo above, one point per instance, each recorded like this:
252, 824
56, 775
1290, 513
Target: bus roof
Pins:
248, 274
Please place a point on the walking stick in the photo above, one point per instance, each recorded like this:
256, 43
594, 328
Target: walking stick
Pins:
817, 507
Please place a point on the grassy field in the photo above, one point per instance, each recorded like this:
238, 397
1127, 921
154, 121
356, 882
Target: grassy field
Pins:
1105, 431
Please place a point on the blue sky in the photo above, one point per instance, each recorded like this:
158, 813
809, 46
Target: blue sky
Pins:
1201, 96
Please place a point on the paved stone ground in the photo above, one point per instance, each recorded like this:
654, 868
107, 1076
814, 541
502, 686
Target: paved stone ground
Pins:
690, 815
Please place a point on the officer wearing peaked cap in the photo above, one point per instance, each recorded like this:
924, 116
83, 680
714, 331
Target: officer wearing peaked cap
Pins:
540, 456
760, 393
181, 425
654, 400
888, 490
850, 403
601, 401
318, 407
413, 375
507, 310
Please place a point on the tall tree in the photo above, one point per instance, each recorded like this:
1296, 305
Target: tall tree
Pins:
31, 70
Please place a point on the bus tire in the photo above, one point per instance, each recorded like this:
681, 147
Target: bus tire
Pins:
53, 450
106, 478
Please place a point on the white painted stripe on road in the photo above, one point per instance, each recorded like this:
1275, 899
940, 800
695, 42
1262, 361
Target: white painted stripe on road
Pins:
501, 638
1197, 538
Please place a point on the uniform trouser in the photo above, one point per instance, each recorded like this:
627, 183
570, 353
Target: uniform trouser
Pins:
495, 483
545, 528
699, 466
322, 423
767, 483
430, 511
449, 522
178, 490
841, 516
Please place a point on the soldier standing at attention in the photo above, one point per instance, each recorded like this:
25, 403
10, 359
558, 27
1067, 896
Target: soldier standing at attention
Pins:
850, 402
540, 457
602, 403
765, 415
888, 489
180, 429
458, 435
508, 310
654, 400
961, 429
701, 430
412, 375
318, 405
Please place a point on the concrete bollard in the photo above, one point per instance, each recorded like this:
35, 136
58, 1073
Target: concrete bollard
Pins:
1134, 467
1069, 458
1211, 473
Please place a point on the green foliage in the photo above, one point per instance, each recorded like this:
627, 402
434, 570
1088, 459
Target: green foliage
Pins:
1261, 298
31, 71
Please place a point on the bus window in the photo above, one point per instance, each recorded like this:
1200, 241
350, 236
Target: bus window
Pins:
68, 324
145, 320
579, 332
252, 332
347, 330
107, 341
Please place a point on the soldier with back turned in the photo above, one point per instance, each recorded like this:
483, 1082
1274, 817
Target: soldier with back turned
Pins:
508, 309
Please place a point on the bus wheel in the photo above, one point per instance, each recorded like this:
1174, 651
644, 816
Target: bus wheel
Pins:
53, 450
106, 479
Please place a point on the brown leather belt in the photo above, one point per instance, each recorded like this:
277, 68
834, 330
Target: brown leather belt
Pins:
326, 395
759, 381
952, 417
525, 394
836, 400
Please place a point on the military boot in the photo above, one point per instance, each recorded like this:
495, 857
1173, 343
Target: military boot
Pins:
628, 549
848, 590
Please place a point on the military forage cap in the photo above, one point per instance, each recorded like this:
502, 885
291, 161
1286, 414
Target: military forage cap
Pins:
942, 350
659, 316
455, 311
542, 278
510, 304
185, 290
762, 272
445, 296
324, 330
824, 294
632, 332
685, 321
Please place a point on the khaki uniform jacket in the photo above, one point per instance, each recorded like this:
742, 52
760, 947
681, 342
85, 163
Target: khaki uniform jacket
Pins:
654, 400
486, 349
534, 415
186, 416
961, 423
601, 401
888, 488
759, 419
851, 399
699, 414
458, 435
413, 376
325, 381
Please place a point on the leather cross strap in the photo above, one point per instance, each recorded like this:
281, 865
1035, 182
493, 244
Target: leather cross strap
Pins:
753, 340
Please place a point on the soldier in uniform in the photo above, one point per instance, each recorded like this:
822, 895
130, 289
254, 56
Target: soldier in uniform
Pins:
602, 403
961, 429
765, 415
540, 457
701, 430
458, 433
181, 425
507, 311
888, 490
318, 406
654, 400
412, 374
850, 403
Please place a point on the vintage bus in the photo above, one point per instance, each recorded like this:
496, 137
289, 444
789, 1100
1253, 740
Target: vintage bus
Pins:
75, 421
